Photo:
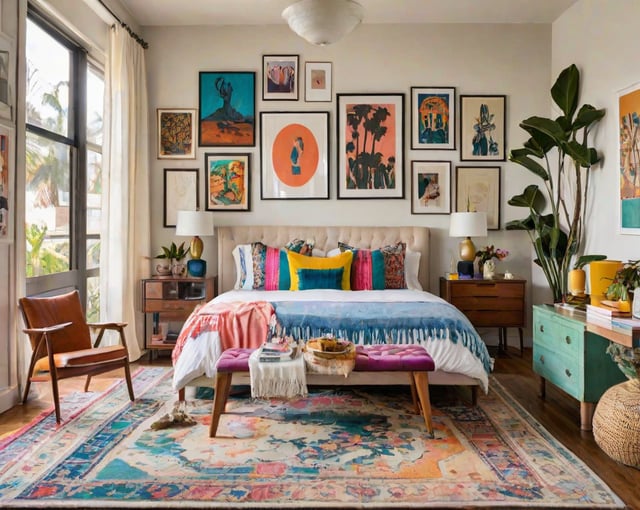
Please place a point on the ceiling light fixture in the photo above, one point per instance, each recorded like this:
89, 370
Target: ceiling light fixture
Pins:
323, 22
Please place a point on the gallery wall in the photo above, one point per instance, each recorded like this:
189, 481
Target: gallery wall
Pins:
513, 60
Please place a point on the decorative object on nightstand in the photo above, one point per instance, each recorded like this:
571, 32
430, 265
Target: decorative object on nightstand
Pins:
195, 223
486, 264
467, 225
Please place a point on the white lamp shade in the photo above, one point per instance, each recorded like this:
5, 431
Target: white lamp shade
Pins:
468, 224
194, 223
323, 22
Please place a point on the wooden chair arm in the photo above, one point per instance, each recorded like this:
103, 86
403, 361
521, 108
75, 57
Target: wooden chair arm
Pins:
107, 325
48, 329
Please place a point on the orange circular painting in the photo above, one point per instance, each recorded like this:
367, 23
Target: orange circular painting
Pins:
295, 155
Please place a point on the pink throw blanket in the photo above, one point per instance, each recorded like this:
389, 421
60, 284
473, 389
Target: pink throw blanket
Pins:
239, 324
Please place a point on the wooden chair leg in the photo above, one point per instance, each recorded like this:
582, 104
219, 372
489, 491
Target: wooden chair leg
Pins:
127, 376
26, 389
181, 395
422, 386
56, 395
86, 384
221, 394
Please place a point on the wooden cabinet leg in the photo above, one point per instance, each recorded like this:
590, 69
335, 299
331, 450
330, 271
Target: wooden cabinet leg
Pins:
521, 342
542, 388
586, 415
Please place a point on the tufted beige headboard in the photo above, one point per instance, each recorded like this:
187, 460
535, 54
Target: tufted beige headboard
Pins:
326, 238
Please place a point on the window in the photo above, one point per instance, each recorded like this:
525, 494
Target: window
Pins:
63, 195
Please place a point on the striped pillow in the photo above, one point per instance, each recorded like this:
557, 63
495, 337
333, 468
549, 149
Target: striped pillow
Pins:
377, 269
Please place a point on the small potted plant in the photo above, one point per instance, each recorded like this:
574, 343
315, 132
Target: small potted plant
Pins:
173, 256
624, 283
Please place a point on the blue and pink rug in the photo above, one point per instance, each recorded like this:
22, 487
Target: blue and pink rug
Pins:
335, 449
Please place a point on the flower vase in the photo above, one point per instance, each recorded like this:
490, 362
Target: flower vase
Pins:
488, 270
178, 268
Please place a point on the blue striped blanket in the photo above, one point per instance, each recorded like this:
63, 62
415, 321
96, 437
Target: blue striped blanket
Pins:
374, 322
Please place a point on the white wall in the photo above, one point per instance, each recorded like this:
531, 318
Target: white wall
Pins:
598, 36
476, 59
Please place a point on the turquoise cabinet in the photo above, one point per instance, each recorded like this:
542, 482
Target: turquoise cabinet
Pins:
575, 360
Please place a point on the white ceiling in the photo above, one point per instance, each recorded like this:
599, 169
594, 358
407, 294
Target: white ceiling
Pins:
267, 12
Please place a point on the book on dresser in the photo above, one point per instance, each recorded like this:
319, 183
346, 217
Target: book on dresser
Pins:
605, 314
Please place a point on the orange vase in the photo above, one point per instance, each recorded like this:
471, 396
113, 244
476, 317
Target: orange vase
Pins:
577, 282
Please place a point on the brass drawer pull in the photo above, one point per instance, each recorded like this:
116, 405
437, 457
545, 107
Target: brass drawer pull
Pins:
541, 328
568, 372
567, 339
542, 359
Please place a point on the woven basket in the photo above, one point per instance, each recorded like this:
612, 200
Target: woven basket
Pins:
616, 423
329, 363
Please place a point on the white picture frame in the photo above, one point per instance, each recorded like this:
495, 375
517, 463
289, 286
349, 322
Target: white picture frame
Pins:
317, 82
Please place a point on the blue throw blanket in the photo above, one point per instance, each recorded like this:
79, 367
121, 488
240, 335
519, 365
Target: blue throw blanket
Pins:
374, 322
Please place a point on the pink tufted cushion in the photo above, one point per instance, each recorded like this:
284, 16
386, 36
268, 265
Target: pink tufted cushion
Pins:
234, 360
390, 357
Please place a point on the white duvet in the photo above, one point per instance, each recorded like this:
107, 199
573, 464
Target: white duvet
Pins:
200, 354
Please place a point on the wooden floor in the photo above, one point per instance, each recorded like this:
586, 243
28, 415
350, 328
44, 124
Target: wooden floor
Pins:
559, 413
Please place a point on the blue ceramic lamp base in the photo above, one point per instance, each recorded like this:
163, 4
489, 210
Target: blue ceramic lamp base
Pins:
197, 267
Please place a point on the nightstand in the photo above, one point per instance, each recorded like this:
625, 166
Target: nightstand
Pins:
494, 303
172, 300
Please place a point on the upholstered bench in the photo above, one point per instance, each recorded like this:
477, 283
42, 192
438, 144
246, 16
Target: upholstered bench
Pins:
384, 358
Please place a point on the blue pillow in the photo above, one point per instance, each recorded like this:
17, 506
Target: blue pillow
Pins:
320, 278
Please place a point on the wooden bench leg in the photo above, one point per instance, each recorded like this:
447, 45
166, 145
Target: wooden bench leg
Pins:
421, 380
414, 394
221, 394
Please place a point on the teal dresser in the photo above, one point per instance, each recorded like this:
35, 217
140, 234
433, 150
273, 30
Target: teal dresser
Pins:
572, 358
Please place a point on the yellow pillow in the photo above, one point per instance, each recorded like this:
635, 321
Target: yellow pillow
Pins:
297, 261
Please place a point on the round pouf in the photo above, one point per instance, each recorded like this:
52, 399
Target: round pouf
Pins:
616, 423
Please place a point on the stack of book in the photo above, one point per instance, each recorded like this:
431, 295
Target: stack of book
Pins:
272, 352
604, 316
627, 325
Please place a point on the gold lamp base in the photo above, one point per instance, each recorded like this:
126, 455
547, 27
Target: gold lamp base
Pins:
467, 250
196, 247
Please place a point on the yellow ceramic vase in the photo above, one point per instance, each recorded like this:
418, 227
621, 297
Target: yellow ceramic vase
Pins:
577, 282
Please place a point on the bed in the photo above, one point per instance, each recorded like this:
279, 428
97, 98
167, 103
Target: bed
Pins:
460, 355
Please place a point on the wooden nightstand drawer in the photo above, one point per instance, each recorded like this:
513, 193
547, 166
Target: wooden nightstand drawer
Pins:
500, 289
157, 305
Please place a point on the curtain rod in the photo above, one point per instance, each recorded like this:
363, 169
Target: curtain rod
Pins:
135, 36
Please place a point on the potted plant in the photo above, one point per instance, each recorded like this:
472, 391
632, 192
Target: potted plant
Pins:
558, 153
175, 254
624, 283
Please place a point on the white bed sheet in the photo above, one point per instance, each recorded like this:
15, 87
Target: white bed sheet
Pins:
200, 354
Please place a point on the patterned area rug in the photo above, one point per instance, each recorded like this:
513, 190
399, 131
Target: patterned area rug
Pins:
335, 449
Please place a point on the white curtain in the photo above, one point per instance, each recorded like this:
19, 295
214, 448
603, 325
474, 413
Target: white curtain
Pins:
125, 234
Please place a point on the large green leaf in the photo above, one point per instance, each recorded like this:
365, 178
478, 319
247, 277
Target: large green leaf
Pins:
525, 224
541, 125
531, 197
521, 156
566, 89
580, 153
587, 259
586, 116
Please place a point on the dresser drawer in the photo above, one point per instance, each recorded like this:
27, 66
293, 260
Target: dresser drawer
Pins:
170, 305
564, 372
499, 289
558, 334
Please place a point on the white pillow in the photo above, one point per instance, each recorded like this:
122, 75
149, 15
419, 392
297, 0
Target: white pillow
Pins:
241, 254
411, 269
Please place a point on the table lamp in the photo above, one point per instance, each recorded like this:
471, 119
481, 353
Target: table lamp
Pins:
196, 224
467, 224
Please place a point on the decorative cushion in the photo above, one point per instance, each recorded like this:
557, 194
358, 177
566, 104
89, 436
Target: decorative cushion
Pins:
297, 261
320, 278
261, 267
377, 269
390, 357
235, 359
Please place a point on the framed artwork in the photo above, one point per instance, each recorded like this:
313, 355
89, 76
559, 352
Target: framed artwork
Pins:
7, 74
483, 128
295, 155
227, 181
317, 81
7, 174
629, 163
430, 187
176, 133
370, 145
180, 193
227, 102
280, 77
478, 189
433, 117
